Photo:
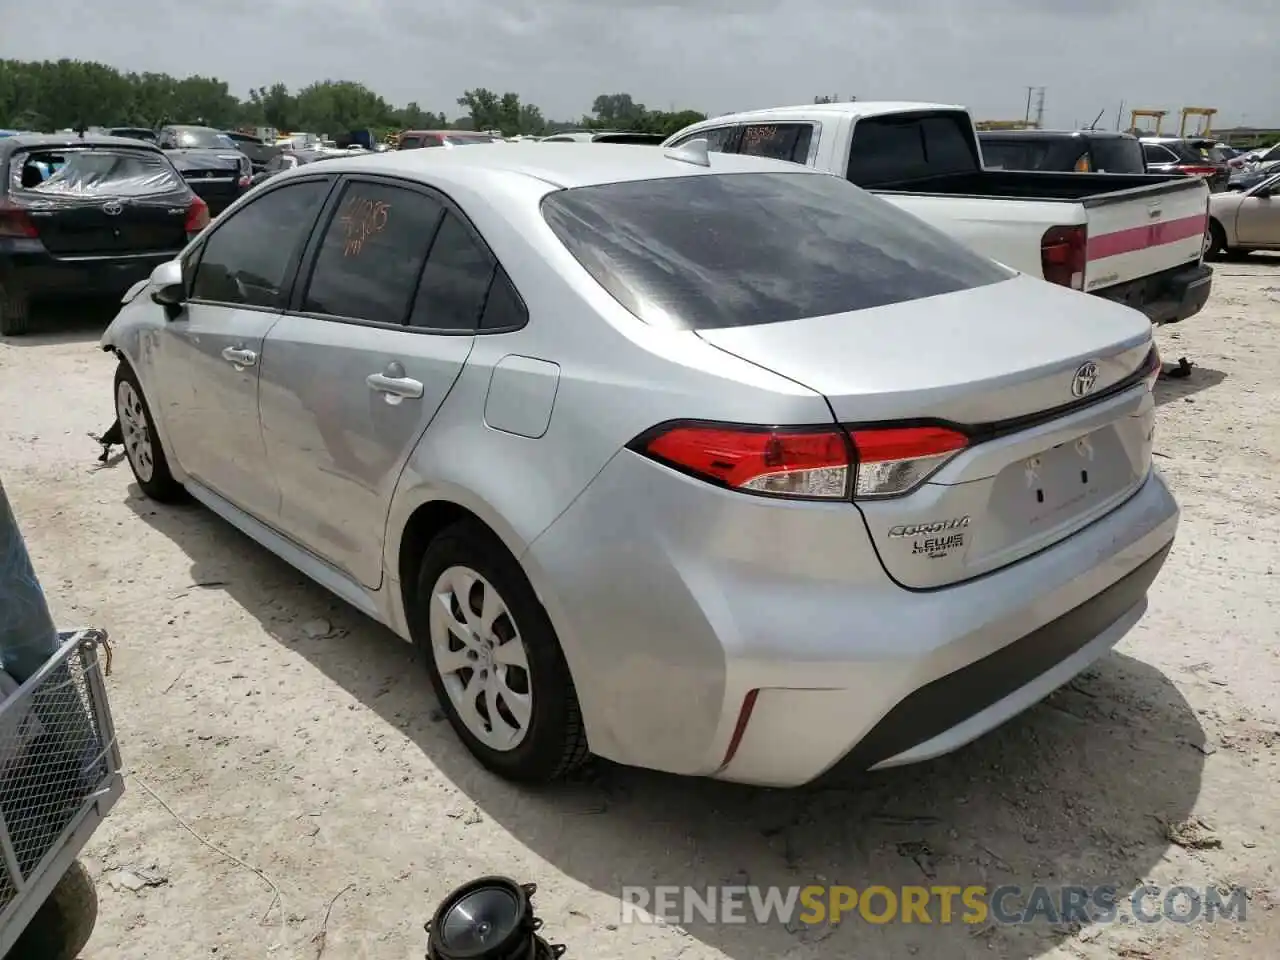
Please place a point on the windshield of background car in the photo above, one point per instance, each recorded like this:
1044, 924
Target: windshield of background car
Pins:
96, 172
205, 140
728, 250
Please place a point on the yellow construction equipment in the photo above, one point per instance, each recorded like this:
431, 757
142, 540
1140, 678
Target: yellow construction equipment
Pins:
1156, 115
1208, 113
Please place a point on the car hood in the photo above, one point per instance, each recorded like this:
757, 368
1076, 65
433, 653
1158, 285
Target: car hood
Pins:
199, 158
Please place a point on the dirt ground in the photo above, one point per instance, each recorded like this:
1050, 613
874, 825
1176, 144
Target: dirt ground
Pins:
260, 716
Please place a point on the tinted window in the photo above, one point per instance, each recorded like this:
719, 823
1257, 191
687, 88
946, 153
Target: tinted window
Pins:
455, 282
737, 249
898, 148
777, 141
246, 259
462, 139
503, 308
1020, 154
410, 143
1155, 153
1117, 155
372, 253
718, 138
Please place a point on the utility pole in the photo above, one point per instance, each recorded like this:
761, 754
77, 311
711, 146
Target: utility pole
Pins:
1040, 108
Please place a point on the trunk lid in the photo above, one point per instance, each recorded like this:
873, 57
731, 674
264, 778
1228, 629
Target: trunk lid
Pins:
1000, 361
1139, 232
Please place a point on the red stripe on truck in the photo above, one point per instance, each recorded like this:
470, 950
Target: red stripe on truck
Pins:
1142, 238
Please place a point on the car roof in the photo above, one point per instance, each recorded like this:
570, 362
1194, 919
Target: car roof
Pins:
74, 140
857, 108
191, 126
573, 165
1054, 134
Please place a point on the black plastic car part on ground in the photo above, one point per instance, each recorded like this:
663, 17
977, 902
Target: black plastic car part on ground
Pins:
210, 162
86, 217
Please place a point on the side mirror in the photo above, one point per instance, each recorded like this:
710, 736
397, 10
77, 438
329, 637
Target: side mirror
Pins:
167, 287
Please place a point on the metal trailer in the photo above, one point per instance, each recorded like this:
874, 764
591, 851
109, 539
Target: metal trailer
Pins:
59, 777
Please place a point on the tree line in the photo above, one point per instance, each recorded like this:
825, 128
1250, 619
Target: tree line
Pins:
55, 95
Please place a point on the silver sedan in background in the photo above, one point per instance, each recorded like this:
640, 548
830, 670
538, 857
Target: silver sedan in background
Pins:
1245, 220
698, 462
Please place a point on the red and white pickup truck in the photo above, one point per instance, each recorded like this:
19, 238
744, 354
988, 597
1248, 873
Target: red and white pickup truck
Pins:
1134, 238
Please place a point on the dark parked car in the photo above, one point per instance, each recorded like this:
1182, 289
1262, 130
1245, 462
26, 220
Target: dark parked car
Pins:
134, 133
259, 152
86, 216
1062, 151
288, 160
210, 162
1192, 157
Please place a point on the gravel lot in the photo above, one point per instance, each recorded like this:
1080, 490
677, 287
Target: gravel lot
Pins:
288, 731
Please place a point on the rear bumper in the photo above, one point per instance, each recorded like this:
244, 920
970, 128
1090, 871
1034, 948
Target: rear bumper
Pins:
30, 272
217, 194
676, 606
1166, 297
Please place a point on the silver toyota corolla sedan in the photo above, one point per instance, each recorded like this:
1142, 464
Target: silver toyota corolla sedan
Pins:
710, 464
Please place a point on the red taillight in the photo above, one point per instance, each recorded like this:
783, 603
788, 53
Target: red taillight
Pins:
740, 728
1062, 255
1193, 170
894, 460
14, 222
197, 216
807, 463
788, 462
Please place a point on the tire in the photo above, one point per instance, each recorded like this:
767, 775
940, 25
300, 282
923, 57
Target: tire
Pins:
141, 445
1216, 246
15, 315
552, 741
62, 926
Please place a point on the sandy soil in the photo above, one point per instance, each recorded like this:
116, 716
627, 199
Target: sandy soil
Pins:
299, 737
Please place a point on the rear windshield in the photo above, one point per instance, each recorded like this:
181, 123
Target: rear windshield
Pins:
116, 172
1020, 154
1117, 155
902, 147
733, 250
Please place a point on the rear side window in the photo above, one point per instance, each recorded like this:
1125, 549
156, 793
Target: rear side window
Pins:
1155, 153
1015, 154
372, 253
247, 259
456, 280
733, 250
410, 143
94, 173
777, 141
718, 138
1117, 155
899, 148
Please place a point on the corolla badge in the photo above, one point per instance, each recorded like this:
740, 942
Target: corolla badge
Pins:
113, 208
1085, 380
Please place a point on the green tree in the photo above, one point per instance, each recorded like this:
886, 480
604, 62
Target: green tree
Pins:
483, 108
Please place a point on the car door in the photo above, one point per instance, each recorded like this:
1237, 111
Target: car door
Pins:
354, 373
209, 358
1258, 222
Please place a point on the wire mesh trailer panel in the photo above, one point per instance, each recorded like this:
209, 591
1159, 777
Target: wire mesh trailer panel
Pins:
59, 775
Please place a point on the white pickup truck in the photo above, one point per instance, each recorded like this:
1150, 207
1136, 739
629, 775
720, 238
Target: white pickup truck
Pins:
1134, 238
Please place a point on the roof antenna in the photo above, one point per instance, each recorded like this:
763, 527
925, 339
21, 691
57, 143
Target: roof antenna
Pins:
1094, 125
693, 151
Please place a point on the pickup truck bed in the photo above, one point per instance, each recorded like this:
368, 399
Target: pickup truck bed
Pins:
1134, 238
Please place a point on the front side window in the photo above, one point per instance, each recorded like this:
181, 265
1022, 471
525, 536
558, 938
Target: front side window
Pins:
247, 260
372, 253
726, 250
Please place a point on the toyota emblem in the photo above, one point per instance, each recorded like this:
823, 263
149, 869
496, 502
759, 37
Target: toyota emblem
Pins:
1085, 380
113, 208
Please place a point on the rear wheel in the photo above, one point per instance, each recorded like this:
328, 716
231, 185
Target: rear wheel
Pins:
62, 926
1215, 241
15, 315
141, 444
494, 658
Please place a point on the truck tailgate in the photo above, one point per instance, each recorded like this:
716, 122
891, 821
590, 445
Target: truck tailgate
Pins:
1143, 231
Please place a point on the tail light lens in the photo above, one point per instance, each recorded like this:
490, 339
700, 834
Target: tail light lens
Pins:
822, 463
1151, 368
1195, 170
14, 221
1063, 251
197, 216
